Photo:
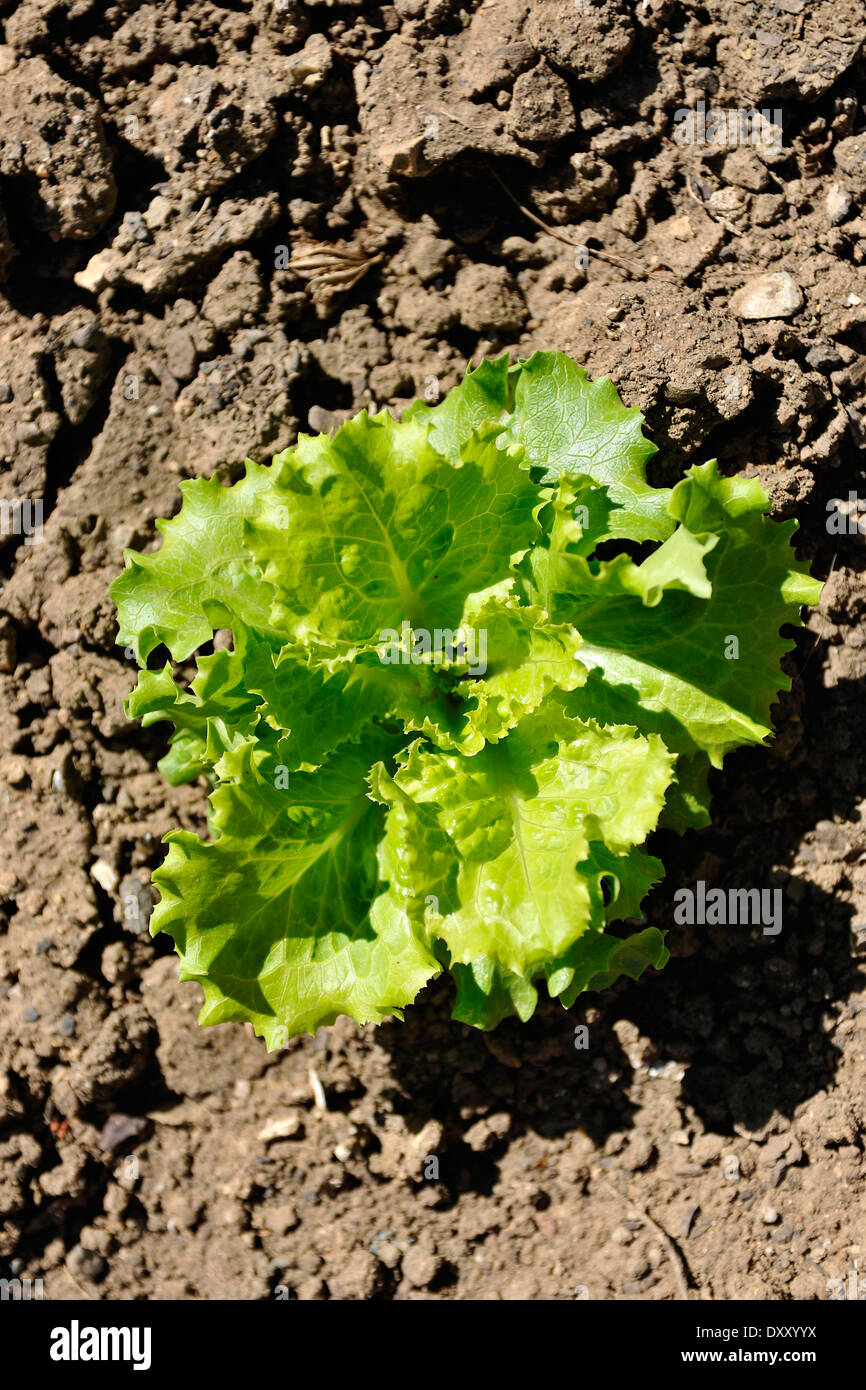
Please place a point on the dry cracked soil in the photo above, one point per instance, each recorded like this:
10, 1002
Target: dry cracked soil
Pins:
222, 222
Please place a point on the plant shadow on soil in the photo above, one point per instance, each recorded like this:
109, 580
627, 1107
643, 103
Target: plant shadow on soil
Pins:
745, 1014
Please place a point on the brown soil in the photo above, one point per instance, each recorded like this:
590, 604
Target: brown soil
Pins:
160, 164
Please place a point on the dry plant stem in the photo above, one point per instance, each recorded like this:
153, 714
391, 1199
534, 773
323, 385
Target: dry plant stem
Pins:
627, 266
678, 1264
318, 1090
196, 215
330, 268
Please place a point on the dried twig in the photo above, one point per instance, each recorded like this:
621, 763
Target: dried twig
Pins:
629, 267
199, 212
678, 1264
318, 1090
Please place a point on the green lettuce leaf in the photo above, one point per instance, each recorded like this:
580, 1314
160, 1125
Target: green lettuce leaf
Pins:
476, 660
277, 916
692, 635
520, 817
203, 577
487, 991
381, 529
567, 426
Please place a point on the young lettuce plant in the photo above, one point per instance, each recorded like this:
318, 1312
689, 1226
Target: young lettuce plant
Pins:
446, 727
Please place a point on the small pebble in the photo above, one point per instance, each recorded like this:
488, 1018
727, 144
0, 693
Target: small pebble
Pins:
769, 1216
83, 337
284, 1127
837, 203
160, 210
67, 1026
621, 1235
31, 433
106, 876
421, 1264
775, 296
30, 1014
